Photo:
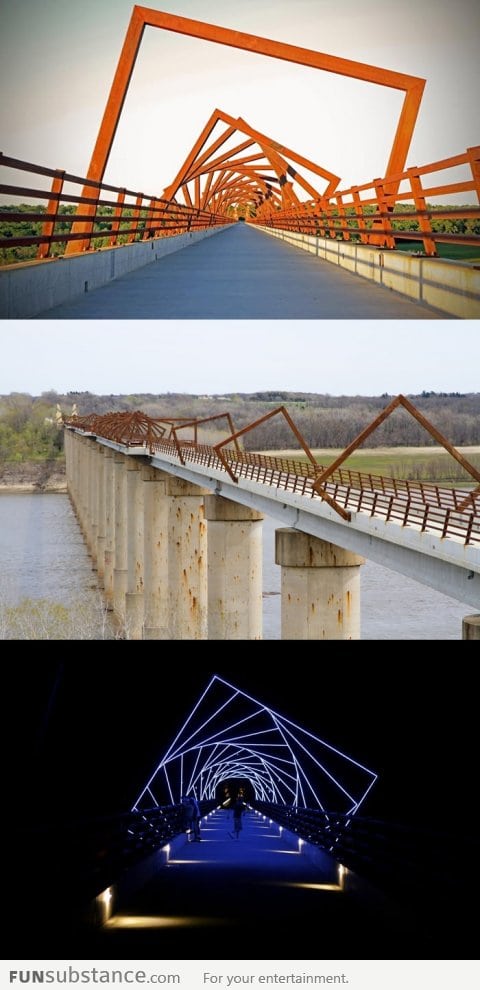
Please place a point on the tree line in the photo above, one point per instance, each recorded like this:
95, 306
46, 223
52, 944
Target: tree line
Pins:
29, 228
28, 429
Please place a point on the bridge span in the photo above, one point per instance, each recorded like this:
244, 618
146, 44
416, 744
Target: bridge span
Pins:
241, 273
174, 529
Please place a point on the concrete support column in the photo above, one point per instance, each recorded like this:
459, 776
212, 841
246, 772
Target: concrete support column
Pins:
83, 467
155, 561
234, 535
175, 558
74, 493
67, 449
134, 600
100, 499
471, 627
92, 500
187, 560
120, 568
320, 587
109, 556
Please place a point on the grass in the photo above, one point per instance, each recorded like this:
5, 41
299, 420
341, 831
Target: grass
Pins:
409, 464
454, 252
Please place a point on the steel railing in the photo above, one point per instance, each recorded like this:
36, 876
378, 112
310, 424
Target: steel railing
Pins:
132, 216
372, 213
451, 513
394, 856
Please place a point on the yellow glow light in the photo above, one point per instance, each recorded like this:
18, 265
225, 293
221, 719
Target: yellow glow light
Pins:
159, 921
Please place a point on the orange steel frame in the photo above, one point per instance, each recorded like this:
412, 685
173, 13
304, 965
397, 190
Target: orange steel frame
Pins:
142, 17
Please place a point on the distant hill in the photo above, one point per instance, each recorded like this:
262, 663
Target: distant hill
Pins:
28, 431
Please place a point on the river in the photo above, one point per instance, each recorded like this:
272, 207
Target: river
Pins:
43, 556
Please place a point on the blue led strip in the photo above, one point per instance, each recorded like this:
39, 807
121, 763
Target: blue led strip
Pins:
283, 761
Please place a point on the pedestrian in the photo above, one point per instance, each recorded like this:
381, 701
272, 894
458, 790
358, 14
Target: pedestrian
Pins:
188, 813
196, 816
238, 809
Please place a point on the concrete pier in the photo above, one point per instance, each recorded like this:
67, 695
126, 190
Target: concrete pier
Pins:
134, 599
320, 587
234, 569
120, 568
471, 627
109, 528
187, 559
155, 561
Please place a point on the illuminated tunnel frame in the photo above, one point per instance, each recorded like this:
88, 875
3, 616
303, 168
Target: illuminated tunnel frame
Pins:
202, 756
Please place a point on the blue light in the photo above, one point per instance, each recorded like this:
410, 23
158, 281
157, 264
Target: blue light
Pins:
284, 762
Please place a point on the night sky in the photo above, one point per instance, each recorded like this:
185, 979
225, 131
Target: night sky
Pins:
88, 733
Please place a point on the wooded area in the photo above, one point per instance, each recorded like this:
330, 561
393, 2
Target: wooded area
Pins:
28, 430
28, 228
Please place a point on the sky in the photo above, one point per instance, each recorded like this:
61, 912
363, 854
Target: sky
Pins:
338, 357
58, 59
57, 62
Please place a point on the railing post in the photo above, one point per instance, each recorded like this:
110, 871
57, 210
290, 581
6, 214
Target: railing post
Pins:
473, 155
320, 587
135, 218
384, 202
421, 207
53, 205
118, 217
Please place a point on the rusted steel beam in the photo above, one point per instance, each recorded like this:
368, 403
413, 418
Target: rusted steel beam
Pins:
247, 429
399, 400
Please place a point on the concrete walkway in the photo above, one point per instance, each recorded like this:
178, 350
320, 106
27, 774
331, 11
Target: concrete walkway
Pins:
241, 273
258, 896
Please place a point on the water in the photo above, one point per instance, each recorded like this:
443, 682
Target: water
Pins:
392, 606
43, 556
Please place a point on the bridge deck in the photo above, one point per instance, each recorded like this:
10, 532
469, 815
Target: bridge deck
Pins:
223, 897
241, 273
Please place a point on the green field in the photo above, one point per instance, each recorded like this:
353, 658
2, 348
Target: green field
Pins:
409, 464
455, 252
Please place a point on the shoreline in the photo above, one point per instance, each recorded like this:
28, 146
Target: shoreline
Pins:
55, 488
33, 477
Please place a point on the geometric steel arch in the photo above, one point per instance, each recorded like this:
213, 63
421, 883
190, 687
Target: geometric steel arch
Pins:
231, 734
399, 400
142, 17
243, 178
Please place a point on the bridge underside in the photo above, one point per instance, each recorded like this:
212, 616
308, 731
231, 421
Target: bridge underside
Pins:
416, 555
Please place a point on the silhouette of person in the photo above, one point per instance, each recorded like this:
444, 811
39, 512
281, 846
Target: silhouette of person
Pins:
188, 813
238, 809
196, 815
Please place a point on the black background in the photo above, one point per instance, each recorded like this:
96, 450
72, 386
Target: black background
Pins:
85, 734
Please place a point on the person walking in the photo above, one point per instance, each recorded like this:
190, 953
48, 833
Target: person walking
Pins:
238, 809
196, 819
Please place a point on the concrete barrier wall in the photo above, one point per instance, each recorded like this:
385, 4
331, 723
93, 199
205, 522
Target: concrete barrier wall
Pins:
450, 286
32, 287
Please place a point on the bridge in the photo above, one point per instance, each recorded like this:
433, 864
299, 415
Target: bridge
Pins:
116, 239
173, 526
310, 857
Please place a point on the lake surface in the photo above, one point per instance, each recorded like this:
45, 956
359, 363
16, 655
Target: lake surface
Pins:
43, 556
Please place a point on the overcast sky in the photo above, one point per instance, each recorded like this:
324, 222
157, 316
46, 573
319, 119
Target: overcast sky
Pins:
57, 61
203, 357
58, 57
